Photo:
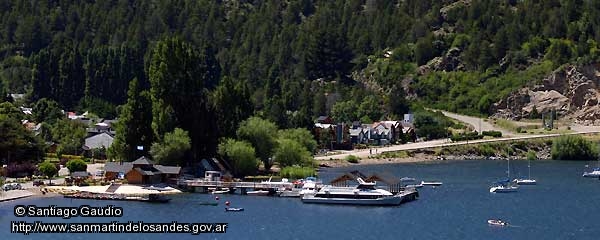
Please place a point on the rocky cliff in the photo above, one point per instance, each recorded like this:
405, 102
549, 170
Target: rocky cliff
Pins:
572, 91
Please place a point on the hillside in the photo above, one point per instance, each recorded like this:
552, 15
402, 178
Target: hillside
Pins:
291, 61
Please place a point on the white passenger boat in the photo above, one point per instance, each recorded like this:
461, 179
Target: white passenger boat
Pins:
363, 194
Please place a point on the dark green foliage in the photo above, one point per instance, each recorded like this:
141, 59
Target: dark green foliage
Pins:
76, 165
47, 110
83, 54
465, 136
431, 125
495, 134
181, 77
172, 148
17, 144
296, 172
571, 147
134, 127
232, 104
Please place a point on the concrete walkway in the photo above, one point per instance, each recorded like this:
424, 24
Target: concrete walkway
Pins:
14, 194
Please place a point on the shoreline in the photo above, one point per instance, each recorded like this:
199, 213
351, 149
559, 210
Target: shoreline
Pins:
417, 158
25, 194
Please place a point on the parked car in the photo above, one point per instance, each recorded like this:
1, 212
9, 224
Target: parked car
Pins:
38, 182
100, 173
11, 186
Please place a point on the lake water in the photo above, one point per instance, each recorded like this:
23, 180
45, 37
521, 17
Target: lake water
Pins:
563, 205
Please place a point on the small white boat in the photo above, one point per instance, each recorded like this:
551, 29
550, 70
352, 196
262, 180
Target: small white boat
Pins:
221, 191
528, 180
593, 174
258, 193
525, 181
230, 209
431, 183
503, 189
497, 222
505, 186
407, 179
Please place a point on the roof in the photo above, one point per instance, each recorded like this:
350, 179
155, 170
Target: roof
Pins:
144, 172
168, 169
324, 119
142, 161
348, 176
355, 132
116, 167
321, 125
80, 174
384, 177
99, 141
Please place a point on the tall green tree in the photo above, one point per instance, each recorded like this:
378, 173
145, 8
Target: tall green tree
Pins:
233, 104
242, 156
300, 135
134, 127
47, 110
290, 152
262, 135
48, 169
181, 78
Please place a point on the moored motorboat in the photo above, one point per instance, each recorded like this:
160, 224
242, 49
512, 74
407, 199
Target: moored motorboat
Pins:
258, 193
497, 222
593, 174
525, 181
231, 209
503, 187
420, 185
431, 183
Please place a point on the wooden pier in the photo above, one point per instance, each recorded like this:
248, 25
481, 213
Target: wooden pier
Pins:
202, 185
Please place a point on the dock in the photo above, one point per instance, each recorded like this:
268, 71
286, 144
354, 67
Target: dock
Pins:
203, 185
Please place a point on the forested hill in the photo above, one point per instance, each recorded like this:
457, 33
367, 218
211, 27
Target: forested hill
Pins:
83, 54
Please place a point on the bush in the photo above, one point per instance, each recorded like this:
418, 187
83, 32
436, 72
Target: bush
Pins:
495, 134
573, 148
486, 150
531, 155
352, 159
465, 136
76, 165
296, 172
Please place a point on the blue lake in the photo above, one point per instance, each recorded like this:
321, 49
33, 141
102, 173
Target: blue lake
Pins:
563, 205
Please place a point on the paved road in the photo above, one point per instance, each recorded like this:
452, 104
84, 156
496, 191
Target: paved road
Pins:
478, 124
508, 136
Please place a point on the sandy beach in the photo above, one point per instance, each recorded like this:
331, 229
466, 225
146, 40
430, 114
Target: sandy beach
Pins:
123, 189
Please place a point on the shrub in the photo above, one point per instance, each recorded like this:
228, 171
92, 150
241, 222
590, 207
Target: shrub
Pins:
495, 134
531, 155
465, 136
573, 148
296, 172
352, 159
486, 150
